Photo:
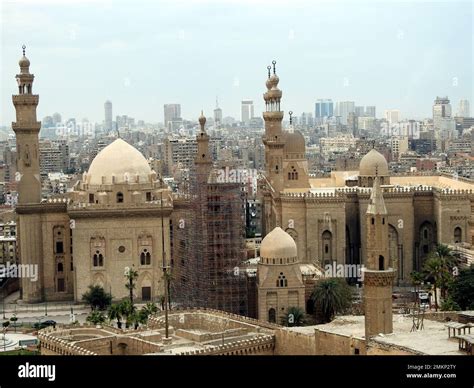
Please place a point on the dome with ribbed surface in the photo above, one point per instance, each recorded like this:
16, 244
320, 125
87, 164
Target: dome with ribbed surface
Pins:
277, 245
117, 163
373, 163
294, 143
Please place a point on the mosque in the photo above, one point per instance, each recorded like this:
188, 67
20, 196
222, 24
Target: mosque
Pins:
118, 215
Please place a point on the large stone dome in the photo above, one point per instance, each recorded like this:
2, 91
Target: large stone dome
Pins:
294, 143
373, 164
117, 163
277, 245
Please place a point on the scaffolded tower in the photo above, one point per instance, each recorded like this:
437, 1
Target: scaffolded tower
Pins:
208, 238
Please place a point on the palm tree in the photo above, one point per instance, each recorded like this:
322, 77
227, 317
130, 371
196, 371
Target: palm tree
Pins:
434, 268
331, 296
128, 310
450, 260
150, 309
294, 317
115, 312
131, 275
96, 317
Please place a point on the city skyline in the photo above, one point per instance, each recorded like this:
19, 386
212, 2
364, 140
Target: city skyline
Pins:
129, 61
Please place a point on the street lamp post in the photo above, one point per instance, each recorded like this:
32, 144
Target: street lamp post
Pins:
163, 254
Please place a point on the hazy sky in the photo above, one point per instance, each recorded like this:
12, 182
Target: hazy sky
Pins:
143, 54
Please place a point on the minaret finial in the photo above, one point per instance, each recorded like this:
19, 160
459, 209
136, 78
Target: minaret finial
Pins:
24, 48
291, 117
373, 144
274, 68
269, 71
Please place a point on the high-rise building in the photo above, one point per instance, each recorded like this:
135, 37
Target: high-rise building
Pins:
343, 108
323, 109
172, 112
370, 111
359, 111
392, 116
217, 115
463, 110
247, 111
441, 109
108, 116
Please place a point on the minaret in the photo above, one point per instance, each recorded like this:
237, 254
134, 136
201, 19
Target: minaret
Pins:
29, 206
378, 277
203, 159
26, 129
273, 138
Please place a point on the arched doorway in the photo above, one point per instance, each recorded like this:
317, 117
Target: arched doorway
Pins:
457, 235
326, 238
272, 315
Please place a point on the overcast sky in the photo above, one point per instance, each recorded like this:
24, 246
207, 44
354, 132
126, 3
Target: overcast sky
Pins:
143, 54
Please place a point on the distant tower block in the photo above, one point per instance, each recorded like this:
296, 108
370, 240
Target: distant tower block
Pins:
378, 276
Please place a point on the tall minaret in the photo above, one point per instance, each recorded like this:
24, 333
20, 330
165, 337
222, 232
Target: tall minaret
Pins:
203, 159
378, 277
273, 138
29, 208
26, 129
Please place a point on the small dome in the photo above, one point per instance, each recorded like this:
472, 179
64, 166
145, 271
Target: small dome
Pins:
294, 143
24, 62
121, 161
373, 163
278, 245
273, 81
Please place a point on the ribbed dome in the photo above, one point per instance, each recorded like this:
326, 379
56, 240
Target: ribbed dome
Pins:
120, 160
278, 244
294, 143
373, 163
24, 62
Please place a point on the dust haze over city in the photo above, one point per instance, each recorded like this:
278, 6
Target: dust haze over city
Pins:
237, 178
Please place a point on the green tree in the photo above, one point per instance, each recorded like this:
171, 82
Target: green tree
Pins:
462, 289
434, 268
294, 317
97, 298
96, 317
115, 312
14, 319
150, 309
449, 260
331, 296
131, 275
128, 311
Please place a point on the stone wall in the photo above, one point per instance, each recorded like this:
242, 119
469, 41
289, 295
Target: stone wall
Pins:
334, 344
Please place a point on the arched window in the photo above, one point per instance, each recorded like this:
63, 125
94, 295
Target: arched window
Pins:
60, 267
272, 315
381, 263
119, 197
101, 260
145, 257
327, 246
282, 281
96, 259
457, 235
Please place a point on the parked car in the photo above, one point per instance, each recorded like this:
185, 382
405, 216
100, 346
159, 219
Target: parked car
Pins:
44, 324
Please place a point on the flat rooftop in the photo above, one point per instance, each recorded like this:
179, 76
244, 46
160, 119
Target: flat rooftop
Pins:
432, 340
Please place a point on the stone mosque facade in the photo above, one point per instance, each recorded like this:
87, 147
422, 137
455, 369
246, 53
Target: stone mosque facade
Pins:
326, 217
116, 216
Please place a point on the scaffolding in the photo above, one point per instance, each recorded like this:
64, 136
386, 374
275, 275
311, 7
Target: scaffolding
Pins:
208, 244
